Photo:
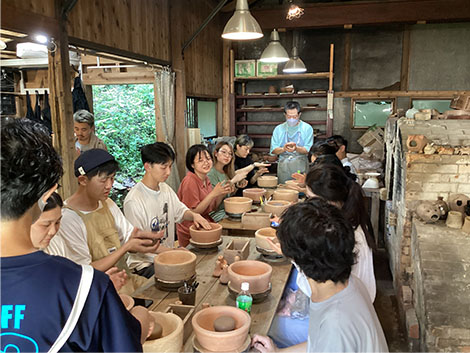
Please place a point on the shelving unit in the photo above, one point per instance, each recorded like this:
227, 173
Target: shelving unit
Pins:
243, 111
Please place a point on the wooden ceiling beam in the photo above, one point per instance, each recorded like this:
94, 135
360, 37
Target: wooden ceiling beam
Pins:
24, 21
366, 13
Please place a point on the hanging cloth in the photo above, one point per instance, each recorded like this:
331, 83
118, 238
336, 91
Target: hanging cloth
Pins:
46, 113
29, 108
37, 108
78, 96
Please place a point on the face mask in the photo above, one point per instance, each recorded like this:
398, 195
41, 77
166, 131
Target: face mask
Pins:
292, 121
302, 281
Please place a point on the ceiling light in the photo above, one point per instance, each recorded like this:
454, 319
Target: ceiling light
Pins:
274, 52
28, 50
295, 65
3, 45
294, 12
40, 38
242, 25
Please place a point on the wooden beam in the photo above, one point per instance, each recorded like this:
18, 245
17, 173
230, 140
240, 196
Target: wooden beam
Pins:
98, 77
393, 94
24, 21
366, 13
405, 61
226, 79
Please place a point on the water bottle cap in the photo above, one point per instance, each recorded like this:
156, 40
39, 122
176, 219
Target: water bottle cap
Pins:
245, 286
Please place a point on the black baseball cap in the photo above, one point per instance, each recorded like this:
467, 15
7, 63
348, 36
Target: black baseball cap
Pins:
91, 159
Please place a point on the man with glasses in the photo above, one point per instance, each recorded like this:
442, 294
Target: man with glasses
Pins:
291, 140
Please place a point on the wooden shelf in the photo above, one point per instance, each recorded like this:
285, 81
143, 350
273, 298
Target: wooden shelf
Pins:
280, 109
307, 76
243, 123
278, 96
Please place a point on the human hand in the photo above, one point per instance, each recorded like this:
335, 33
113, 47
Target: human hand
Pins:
261, 171
242, 184
262, 165
238, 177
290, 147
200, 221
275, 245
143, 241
222, 188
263, 344
300, 178
119, 278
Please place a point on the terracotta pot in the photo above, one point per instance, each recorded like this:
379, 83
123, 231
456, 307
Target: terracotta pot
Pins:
256, 273
254, 193
127, 300
276, 207
416, 143
262, 234
267, 181
202, 235
143, 316
286, 195
457, 202
175, 265
237, 205
443, 207
172, 335
428, 212
229, 341
454, 219
466, 225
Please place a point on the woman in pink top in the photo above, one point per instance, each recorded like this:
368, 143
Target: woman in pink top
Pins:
196, 191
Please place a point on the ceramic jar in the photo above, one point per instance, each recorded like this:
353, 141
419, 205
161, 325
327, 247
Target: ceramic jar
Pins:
229, 341
458, 202
261, 236
175, 265
276, 207
267, 181
237, 205
416, 143
127, 300
454, 219
204, 236
254, 193
428, 212
443, 208
286, 195
257, 273
172, 335
466, 225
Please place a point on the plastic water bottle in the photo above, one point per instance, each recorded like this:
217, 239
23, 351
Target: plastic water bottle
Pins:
244, 298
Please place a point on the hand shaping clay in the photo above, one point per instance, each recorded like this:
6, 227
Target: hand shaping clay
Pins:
156, 332
224, 324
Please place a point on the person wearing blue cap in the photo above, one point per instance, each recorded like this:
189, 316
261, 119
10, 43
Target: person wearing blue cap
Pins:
93, 227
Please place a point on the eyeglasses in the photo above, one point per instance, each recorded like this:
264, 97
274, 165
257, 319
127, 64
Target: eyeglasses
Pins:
226, 153
205, 160
293, 116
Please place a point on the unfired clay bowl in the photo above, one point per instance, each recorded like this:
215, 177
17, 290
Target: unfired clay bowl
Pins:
127, 300
262, 234
175, 265
267, 181
254, 193
286, 194
204, 236
256, 273
237, 205
230, 341
172, 335
276, 207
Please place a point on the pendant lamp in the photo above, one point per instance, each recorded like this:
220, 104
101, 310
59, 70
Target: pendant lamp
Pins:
242, 25
295, 65
274, 52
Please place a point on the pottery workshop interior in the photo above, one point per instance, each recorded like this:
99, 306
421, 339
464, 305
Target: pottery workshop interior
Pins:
235, 175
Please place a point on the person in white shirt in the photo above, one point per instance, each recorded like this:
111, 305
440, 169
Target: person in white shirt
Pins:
341, 145
152, 205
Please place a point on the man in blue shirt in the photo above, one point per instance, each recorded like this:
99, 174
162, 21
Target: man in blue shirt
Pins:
38, 290
291, 141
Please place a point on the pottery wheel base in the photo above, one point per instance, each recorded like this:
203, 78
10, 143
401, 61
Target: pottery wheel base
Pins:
235, 217
172, 286
270, 255
244, 348
212, 245
257, 297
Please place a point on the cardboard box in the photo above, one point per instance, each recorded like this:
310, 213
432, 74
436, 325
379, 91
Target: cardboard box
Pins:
245, 68
461, 102
266, 69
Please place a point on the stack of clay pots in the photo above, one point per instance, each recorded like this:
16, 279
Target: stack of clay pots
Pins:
256, 273
175, 265
204, 236
237, 205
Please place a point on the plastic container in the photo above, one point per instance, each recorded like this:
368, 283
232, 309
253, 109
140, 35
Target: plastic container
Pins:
244, 298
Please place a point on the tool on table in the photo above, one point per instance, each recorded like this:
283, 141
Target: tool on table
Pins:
165, 211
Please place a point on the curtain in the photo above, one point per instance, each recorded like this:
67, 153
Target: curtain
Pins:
165, 86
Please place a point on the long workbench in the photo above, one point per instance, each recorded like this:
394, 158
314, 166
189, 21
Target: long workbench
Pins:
212, 292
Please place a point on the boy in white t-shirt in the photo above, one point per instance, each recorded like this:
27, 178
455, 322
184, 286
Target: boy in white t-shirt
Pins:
153, 205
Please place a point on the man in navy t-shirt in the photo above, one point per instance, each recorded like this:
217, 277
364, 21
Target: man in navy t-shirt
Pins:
38, 290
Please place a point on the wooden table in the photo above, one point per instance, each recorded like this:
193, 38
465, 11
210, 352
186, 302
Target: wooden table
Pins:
211, 291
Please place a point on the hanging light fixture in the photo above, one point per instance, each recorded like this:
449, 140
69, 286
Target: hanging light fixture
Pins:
3, 45
242, 25
294, 11
295, 65
274, 52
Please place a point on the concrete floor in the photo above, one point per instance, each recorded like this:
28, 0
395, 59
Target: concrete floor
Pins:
386, 304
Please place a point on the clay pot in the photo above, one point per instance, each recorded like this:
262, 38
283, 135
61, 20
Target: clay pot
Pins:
466, 225
457, 202
237, 205
257, 273
143, 316
229, 341
204, 236
292, 182
286, 195
267, 181
276, 207
454, 219
416, 143
175, 265
443, 207
262, 234
254, 193
172, 335
428, 212
272, 89
127, 300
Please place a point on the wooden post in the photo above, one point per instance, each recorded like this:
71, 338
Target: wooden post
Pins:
61, 106
226, 88
405, 61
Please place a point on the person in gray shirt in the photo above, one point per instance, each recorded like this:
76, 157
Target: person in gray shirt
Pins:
320, 243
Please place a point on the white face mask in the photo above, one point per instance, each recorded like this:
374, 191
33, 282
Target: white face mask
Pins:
292, 121
302, 281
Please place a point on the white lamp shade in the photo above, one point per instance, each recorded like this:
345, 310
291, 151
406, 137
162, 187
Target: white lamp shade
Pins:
274, 52
294, 65
242, 25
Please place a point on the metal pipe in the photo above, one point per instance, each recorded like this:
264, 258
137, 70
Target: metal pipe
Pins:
68, 6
